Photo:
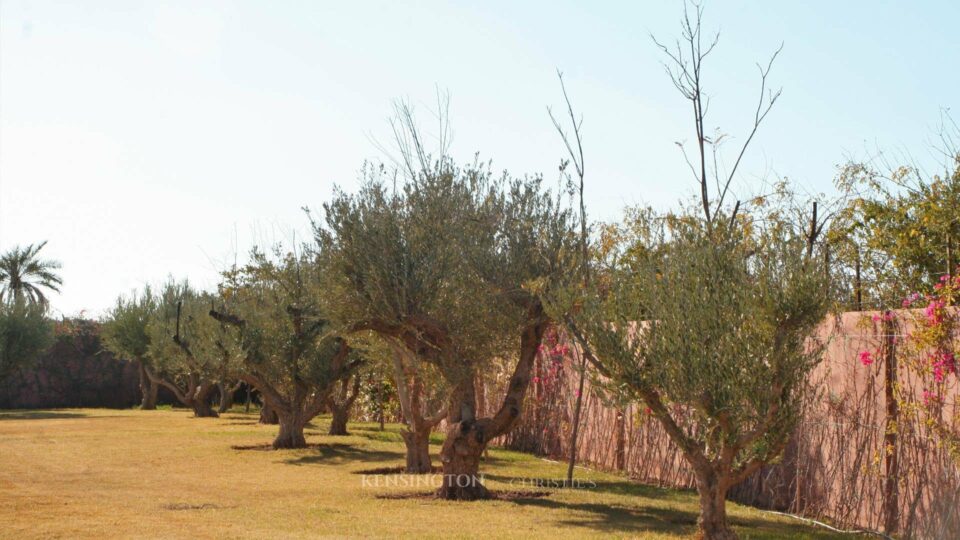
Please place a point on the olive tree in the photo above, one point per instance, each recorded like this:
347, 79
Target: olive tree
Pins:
449, 266
186, 352
709, 315
125, 334
292, 352
714, 329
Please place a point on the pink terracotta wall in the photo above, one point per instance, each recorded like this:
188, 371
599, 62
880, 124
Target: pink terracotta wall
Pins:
835, 468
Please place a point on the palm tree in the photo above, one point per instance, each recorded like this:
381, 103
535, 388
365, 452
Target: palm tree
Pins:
24, 276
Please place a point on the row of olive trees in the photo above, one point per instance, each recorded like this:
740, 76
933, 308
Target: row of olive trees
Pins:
441, 271
266, 326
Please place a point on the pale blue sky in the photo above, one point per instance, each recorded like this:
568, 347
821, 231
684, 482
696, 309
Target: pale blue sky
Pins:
149, 138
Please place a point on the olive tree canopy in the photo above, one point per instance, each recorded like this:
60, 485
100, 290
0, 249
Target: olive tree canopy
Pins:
450, 265
275, 307
125, 334
188, 352
714, 329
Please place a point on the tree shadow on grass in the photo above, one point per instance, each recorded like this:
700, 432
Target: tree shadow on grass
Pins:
397, 469
623, 519
40, 415
241, 419
391, 434
613, 518
341, 453
762, 528
615, 487
376, 434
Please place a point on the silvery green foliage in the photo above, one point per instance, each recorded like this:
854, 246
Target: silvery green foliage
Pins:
288, 340
714, 327
125, 327
402, 262
189, 343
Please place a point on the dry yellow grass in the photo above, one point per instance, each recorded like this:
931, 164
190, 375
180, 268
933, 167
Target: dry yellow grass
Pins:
162, 474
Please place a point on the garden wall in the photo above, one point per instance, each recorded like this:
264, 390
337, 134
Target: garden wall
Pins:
843, 465
75, 372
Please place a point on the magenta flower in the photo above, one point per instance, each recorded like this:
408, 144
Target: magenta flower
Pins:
866, 358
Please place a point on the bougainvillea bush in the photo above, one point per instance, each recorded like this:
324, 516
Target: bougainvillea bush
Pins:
933, 346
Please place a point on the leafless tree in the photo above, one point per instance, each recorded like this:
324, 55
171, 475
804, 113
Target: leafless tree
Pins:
684, 66
573, 142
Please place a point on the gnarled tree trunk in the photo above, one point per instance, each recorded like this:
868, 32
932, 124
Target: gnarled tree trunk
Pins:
200, 401
226, 395
291, 431
148, 389
338, 421
463, 447
418, 451
268, 415
203, 409
468, 437
196, 395
340, 408
712, 522
416, 433
460, 455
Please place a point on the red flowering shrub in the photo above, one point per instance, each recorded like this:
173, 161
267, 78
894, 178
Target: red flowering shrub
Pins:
934, 345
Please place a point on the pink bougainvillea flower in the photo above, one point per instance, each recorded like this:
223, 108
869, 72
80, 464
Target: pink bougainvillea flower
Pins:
944, 363
934, 312
536, 379
577, 393
929, 397
866, 358
938, 373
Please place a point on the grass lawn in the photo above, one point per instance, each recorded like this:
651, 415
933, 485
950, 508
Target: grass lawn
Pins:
108, 473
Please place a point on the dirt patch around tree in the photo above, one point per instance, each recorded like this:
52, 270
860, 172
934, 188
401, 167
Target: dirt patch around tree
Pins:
267, 447
400, 469
192, 506
494, 495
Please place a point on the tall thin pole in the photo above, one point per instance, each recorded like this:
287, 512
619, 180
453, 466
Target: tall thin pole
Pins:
891, 494
857, 285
